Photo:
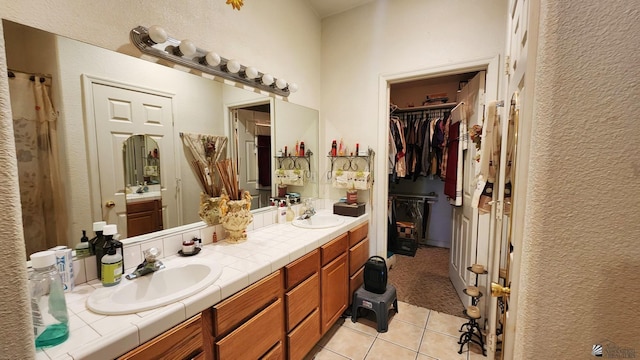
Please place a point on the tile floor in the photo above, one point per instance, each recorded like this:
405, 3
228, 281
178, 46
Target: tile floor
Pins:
414, 333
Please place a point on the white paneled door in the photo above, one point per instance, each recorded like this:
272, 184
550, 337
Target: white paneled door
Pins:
464, 242
119, 113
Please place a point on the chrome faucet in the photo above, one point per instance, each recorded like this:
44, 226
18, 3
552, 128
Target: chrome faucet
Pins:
149, 265
309, 211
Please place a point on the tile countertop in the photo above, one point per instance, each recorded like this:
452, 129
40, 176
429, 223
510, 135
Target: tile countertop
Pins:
266, 250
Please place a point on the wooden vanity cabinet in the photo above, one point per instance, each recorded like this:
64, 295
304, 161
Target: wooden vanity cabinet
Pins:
250, 324
358, 256
185, 341
334, 280
302, 300
144, 217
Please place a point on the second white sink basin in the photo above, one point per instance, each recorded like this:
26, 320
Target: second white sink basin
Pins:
319, 221
176, 282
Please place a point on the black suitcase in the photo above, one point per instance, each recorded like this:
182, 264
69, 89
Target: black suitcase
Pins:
375, 275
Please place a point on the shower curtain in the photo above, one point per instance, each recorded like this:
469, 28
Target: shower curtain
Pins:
41, 194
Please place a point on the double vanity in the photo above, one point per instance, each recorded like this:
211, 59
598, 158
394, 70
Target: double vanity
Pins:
271, 297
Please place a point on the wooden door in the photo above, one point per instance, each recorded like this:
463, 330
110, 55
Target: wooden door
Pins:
118, 113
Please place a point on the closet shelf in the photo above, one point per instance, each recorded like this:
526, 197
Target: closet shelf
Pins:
449, 105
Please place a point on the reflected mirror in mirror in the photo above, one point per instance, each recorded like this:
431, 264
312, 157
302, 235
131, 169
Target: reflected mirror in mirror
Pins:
200, 105
141, 161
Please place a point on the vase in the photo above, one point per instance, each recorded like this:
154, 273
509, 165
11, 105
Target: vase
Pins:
209, 209
235, 216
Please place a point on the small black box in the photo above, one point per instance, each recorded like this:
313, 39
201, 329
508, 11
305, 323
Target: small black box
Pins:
345, 209
404, 246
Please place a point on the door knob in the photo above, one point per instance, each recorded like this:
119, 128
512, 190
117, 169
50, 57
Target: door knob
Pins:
499, 290
110, 204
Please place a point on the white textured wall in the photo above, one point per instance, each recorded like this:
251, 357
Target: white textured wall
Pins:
580, 283
391, 37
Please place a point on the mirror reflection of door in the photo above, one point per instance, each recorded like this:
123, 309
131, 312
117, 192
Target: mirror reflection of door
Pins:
252, 127
119, 113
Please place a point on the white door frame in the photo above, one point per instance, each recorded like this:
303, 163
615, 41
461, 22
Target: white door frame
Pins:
379, 213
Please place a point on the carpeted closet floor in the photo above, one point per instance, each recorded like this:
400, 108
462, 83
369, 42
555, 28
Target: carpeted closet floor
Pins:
423, 280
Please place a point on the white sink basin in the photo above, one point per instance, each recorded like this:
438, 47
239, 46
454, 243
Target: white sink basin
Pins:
319, 221
176, 282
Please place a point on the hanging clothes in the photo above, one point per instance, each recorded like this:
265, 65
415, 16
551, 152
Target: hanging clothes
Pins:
489, 160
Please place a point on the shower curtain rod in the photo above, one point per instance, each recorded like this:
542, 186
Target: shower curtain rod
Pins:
32, 76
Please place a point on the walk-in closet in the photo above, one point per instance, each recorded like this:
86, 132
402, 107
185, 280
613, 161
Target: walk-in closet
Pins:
421, 200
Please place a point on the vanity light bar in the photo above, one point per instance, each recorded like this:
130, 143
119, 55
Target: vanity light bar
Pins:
187, 54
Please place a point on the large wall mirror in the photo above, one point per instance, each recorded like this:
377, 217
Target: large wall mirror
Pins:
78, 73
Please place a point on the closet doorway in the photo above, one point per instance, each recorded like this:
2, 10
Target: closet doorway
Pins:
426, 214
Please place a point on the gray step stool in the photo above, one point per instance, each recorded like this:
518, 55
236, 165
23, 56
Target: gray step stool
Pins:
378, 303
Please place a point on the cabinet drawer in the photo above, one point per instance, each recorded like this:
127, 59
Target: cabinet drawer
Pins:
238, 308
301, 269
182, 342
355, 281
302, 300
334, 248
358, 255
250, 340
304, 337
358, 233
276, 353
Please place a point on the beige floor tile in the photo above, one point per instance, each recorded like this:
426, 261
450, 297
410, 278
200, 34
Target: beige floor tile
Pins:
425, 357
349, 343
403, 333
412, 314
445, 323
440, 346
384, 350
476, 352
318, 353
366, 324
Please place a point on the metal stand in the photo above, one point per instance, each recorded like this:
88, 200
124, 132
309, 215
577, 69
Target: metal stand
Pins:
473, 333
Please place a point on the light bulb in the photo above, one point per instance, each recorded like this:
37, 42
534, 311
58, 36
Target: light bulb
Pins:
281, 83
187, 48
293, 87
233, 66
250, 72
157, 34
212, 58
267, 79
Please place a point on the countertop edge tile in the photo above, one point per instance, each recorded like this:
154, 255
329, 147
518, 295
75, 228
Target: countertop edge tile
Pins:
197, 303
160, 321
111, 346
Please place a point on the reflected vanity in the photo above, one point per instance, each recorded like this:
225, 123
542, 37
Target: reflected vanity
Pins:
201, 105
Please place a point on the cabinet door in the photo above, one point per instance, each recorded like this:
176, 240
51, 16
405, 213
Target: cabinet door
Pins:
335, 288
182, 342
358, 255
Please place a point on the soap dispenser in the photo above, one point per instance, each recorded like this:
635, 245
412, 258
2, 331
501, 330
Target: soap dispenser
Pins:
111, 263
82, 248
290, 214
97, 244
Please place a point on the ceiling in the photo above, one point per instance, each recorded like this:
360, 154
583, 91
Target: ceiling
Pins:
325, 8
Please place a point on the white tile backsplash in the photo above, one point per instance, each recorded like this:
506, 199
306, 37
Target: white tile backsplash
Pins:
132, 256
91, 268
172, 244
79, 272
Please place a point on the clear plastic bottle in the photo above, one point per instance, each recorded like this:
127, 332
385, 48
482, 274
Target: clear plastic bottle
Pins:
48, 305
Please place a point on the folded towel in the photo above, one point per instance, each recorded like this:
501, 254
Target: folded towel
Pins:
360, 180
290, 177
